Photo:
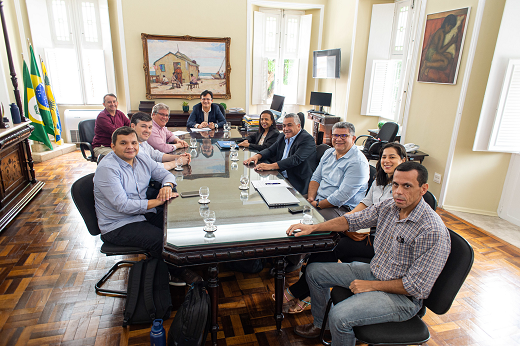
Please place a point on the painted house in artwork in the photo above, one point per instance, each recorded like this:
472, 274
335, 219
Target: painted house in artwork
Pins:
167, 65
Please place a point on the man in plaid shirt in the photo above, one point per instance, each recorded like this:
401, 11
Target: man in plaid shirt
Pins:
411, 247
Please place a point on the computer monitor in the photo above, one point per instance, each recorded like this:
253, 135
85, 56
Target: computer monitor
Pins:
277, 103
320, 99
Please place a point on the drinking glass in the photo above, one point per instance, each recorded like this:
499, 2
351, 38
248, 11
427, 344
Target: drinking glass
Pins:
234, 155
234, 166
178, 164
307, 215
204, 193
244, 180
209, 220
193, 142
227, 126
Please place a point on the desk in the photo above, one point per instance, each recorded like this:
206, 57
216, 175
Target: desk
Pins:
246, 227
180, 118
322, 124
219, 134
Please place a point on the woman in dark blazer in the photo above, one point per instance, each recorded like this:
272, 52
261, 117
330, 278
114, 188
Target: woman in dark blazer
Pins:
266, 135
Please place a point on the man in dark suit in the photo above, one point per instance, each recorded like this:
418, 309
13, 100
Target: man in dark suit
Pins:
294, 154
206, 114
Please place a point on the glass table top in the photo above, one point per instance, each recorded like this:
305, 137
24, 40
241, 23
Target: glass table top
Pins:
241, 215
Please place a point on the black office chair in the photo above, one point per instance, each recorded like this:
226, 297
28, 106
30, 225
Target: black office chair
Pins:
415, 331
222, 110
320, 150
82, 192
302, 119
86, 136
371, 177
373, 145
430, 199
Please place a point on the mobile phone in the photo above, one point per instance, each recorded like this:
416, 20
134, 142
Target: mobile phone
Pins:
189, 194
295, 210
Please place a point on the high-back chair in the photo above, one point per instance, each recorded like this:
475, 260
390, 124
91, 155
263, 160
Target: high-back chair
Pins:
414, 331
82, 192
373, 145
86, 136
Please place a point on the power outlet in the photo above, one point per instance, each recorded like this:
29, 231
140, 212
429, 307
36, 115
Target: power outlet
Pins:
437, 178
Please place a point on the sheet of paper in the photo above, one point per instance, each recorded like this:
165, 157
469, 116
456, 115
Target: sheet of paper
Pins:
180, 133
204, 129
268, 183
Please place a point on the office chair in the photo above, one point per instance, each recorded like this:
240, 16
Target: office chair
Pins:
82, 192
302, 119
430, 199
415, 331
222, 110
373, 145
86, 136
320, 150
371, 177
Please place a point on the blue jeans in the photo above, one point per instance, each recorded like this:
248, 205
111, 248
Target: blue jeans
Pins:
358, 310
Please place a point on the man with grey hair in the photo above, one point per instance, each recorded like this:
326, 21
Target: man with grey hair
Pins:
340, 181
106, 123
161, 137
293, 154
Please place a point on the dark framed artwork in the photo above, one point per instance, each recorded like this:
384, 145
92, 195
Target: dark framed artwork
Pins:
184, 66
443, 41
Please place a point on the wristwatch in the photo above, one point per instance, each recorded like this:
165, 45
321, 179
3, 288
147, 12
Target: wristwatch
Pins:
318, 205
170, 185
216, 126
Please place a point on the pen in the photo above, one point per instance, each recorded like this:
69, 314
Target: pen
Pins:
272, 183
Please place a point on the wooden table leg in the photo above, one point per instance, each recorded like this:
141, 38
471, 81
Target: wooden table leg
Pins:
213, 292
279, 285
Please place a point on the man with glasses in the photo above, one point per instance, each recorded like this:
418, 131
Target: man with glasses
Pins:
161, 137
340, 181
206, 114
106, 123
294, 154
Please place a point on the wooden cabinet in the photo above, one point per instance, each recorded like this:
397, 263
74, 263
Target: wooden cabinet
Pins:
322, 127
18, 181
180, 118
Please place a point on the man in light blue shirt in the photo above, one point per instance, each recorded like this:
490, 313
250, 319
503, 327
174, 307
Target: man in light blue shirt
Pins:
340, 181
125, 216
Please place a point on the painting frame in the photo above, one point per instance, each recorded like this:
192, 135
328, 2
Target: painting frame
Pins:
442, 47
183, 66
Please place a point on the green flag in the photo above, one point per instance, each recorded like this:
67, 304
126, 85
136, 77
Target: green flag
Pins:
31, 110
41, 97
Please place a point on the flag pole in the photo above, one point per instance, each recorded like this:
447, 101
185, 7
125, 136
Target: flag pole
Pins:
11, 64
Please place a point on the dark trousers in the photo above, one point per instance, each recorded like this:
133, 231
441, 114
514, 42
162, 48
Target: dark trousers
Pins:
346, 251
145, 234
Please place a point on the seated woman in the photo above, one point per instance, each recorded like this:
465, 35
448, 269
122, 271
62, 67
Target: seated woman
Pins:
296, 297
266, 135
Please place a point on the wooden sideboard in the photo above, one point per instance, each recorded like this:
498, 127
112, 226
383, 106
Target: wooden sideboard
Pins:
180, 118
18, 180
322, 124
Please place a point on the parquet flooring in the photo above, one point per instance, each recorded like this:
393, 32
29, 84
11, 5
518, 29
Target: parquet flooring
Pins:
49, 264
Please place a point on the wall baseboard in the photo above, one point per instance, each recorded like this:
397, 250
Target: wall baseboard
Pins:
469, 210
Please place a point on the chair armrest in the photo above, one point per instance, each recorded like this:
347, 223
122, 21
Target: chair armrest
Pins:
87, 146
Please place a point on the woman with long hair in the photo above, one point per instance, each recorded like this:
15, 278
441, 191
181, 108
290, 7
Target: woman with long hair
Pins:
266, 135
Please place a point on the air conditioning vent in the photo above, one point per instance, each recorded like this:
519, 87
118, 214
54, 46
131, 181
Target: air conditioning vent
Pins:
74, 136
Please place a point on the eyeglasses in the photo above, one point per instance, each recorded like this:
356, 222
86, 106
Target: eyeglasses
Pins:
165, 115
206, 99
343, 136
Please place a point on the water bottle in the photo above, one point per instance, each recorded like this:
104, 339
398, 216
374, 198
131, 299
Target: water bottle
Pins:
157, 334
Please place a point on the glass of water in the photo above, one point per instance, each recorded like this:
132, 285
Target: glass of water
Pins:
227, 126
204, 194
209, 220
244, 180
193, 142
307, 215
178, 164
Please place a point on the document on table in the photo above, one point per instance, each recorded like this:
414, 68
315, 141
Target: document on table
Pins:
268, 183
180, 133
204, 129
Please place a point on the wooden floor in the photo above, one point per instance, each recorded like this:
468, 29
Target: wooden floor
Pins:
49, 264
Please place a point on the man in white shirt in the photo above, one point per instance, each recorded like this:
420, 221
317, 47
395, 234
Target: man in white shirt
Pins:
142, 124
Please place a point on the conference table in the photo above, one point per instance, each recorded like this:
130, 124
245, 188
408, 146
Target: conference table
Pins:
246, 227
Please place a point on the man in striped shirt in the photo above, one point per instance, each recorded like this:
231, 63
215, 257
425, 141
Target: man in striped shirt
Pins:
411, 247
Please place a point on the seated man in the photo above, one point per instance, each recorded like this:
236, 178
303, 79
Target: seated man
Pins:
142, 124
206, 114
294, 154
106, 123
340, 181
411, 247
125, 216
161, 137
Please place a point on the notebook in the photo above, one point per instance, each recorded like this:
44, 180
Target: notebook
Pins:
277, 196
223, 145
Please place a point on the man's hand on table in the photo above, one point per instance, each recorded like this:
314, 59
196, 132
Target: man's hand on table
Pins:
166, 193
181, 144
300, 229
266, 167
252, 160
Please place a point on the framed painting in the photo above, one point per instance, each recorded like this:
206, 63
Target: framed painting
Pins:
184, 66
442, 46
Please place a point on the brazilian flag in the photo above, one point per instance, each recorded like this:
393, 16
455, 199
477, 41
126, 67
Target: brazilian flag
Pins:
31, 110
41, 97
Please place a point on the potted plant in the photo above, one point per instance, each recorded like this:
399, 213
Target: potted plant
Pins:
224, 105
185, 106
